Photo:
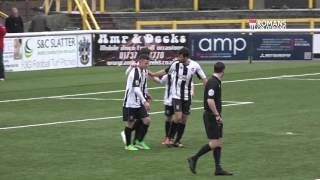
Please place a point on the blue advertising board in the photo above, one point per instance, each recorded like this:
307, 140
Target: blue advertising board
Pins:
282, 47
218, 47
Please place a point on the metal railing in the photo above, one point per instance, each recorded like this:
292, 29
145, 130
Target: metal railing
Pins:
102, 5
81, 5
242, 22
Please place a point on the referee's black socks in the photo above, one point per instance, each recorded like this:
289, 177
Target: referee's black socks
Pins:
180, 131
206, 148
128, 132
217, 156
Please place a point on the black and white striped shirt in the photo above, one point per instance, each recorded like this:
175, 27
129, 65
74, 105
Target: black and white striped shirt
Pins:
136, 89
182, 82
167, 81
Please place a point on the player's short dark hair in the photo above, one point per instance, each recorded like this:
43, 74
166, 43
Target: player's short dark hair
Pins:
184, 52
219, 67
144, 56
144, 51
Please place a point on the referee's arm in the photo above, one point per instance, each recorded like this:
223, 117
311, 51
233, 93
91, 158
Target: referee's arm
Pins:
213, 107
211, 89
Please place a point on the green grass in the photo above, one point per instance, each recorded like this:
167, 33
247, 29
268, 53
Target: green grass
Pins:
256, 146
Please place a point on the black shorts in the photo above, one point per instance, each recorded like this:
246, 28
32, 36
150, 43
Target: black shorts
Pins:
132, 114
181, 106
214, 130
168, 110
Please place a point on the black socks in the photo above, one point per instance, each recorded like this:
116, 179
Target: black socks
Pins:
217, 156
206, 148
136, 127
167, 128
142, 131
180, 131
128, 132
172, 130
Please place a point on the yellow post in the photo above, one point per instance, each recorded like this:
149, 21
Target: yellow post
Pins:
58, 5
102, 9
93, 5
70, 6
310, 4
174, 25
89, 12
84, 18
81, 3
46, 6
251, 4
138, 25
3, 15
137, 6
243, 25
312, 25
195, 5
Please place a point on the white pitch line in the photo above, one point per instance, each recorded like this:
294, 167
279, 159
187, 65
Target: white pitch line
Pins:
236, 102
95, 99
298, 79
97, 119
301, 75
101, 99
117, 91
154, 100
70, 95
269, 78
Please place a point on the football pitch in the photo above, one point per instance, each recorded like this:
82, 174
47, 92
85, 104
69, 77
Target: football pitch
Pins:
66, 124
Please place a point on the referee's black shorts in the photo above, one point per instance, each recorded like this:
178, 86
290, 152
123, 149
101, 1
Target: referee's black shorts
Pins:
213, 129
132, 114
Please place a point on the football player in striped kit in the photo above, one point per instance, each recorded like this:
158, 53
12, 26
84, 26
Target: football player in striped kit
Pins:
135, 105
138, 122
183, 71
170, 132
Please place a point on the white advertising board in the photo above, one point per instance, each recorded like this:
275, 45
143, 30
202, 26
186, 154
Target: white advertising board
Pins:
47, 52
316, 44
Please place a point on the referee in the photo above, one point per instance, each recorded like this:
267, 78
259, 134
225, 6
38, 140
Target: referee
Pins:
212, 121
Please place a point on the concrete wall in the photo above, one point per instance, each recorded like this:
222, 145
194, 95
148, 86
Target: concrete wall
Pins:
317, 3
288, 3
259, 4
129, 5
175, 4
223, 4
112, 5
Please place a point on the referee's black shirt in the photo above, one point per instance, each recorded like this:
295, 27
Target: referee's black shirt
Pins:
213, 91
